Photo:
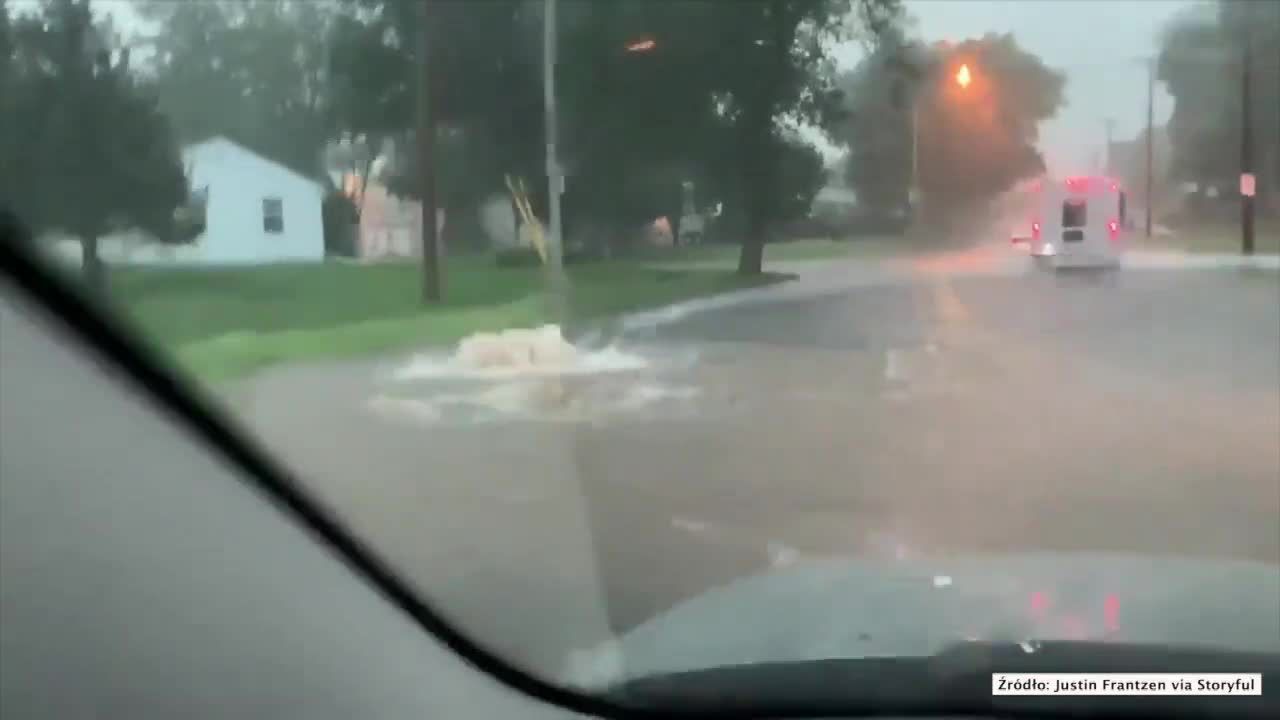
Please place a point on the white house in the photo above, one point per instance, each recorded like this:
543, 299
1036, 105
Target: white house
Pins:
256, 211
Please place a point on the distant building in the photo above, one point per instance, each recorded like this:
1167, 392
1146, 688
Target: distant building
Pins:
834, 202
390, 226
256, 211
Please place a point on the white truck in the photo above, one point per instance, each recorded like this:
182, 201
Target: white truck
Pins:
1077, 222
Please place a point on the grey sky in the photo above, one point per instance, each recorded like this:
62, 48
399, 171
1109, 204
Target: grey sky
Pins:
1096, 43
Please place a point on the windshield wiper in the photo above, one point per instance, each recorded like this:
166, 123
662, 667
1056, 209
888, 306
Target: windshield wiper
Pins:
957, 680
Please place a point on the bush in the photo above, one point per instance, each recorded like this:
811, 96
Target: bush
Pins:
518, 257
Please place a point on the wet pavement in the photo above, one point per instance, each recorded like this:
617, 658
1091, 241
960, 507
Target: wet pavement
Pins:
941, 405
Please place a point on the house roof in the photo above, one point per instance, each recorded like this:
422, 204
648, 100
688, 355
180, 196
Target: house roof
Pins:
216, 139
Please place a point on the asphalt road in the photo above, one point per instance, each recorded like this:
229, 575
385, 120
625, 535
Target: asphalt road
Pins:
948, 404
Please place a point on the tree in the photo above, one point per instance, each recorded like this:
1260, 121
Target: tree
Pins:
977, 141
371, 89
771, 63
973, 141
483, 83
879, 95
636, 120
709, 100
1200, 64
255, 71
96, 153
637, 123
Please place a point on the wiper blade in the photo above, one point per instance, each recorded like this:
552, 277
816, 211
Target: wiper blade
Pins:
957, 680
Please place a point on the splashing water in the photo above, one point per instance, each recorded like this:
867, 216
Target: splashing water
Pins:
530, 374
518, 353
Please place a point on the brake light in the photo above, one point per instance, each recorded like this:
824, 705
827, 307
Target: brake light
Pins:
1113, 227
1111, 613
1035, 231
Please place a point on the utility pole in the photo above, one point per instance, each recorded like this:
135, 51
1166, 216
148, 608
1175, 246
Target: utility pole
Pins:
426, 136
1151, 131
913, 188
1246, 146
555, 175
1109, 162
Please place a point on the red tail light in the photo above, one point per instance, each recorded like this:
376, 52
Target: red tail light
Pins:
1111, 613
1113, 227
1035, 231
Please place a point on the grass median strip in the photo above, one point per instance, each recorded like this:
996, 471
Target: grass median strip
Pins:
792, 250
1216, 238
224, 323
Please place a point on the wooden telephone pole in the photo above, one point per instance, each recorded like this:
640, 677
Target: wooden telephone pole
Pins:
1246, 147
1151, 131
432, 291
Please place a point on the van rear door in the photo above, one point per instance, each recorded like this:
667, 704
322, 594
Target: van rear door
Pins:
1075, 219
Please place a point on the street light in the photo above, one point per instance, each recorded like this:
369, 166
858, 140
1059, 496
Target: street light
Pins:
963, 78
641, 45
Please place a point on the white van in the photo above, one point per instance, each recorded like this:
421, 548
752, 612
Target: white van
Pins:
1078, 222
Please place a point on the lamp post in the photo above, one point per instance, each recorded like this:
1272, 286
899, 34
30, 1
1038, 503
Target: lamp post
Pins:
1151, 131
1246, 149
555, 176
963, 78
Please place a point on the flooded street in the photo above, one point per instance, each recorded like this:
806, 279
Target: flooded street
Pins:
933, 413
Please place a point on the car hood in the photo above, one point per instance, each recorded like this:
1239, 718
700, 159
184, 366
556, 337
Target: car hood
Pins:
877, 608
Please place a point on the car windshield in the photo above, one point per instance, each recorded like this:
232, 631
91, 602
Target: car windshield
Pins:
647, 335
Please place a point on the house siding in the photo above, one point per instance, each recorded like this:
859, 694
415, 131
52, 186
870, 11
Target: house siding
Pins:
238, 181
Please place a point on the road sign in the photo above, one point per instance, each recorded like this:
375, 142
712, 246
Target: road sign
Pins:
1248, 184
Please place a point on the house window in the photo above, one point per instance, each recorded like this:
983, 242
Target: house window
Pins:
272, 215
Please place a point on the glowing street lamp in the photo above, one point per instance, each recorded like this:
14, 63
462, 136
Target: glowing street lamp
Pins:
642, 45
963, 78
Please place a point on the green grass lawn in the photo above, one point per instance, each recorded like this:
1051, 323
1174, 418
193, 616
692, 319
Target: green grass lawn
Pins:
808, 249
225, 323
1216, 237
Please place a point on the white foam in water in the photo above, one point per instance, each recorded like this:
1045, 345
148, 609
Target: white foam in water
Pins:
517, 354
522, 374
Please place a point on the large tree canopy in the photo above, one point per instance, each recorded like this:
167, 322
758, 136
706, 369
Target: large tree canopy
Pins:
95, 153
252, 70
1200, 61
974, 140
651, 94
